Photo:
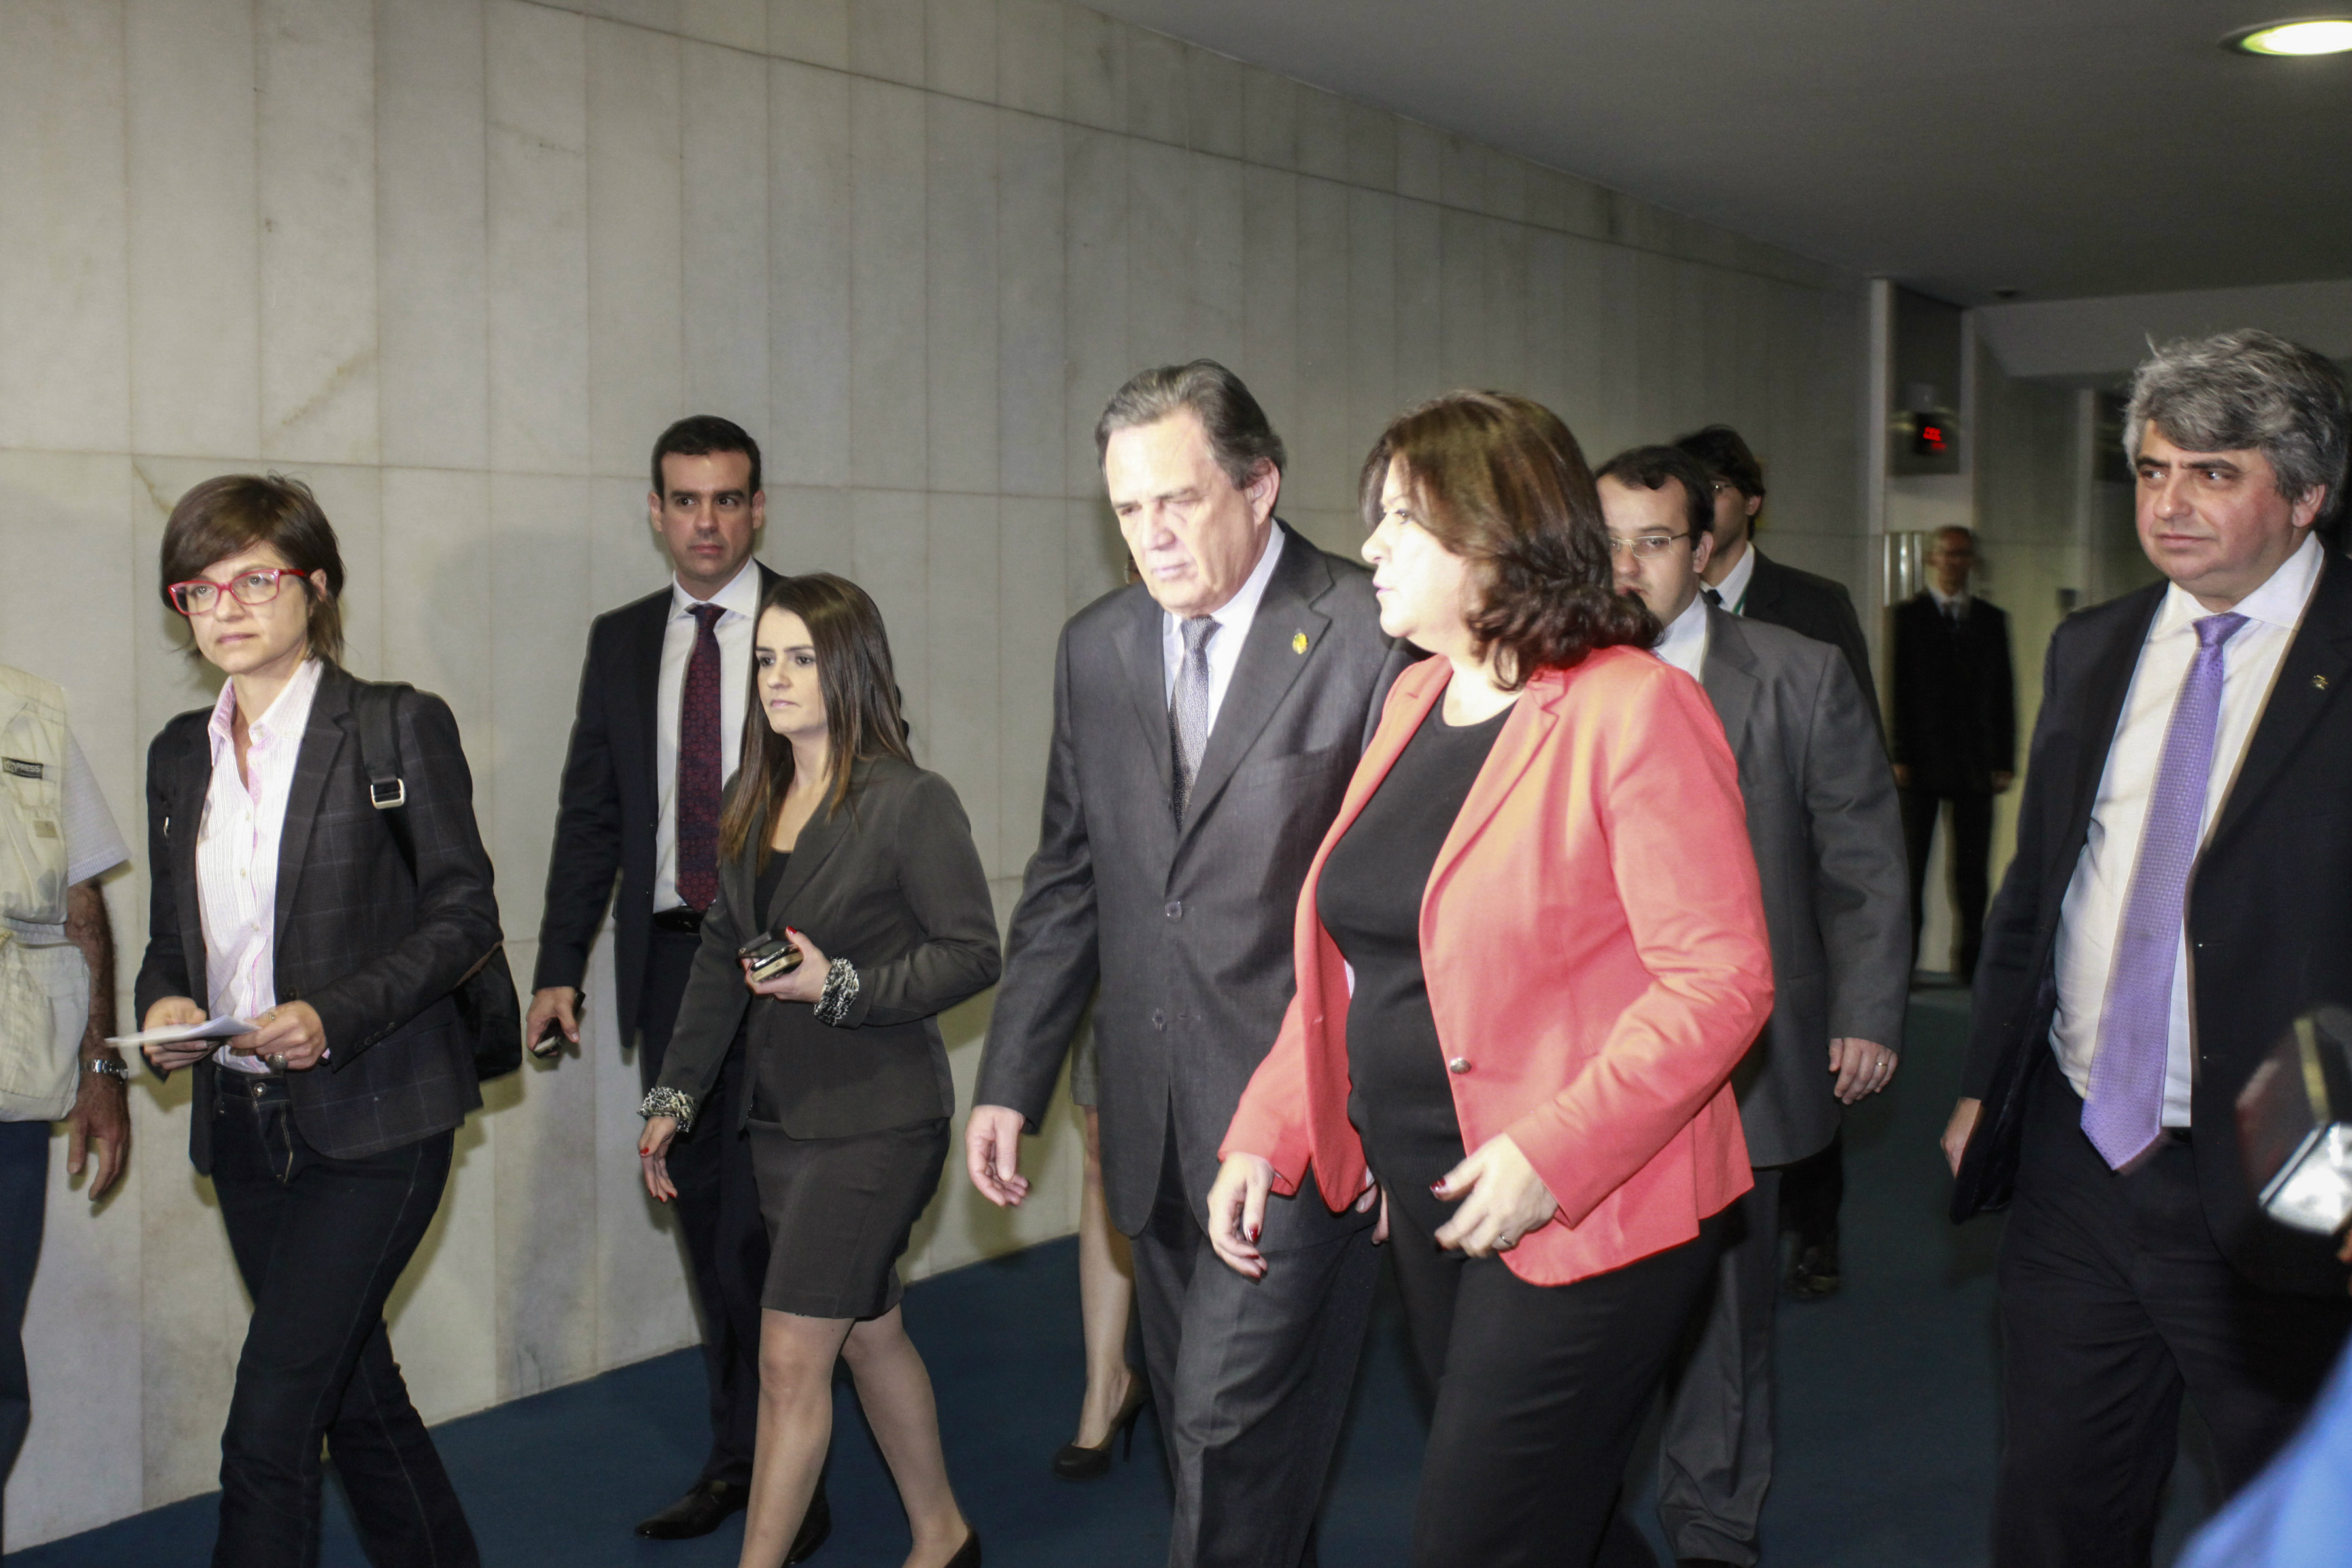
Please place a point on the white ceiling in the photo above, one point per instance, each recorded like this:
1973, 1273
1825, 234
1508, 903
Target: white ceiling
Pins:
2060, 148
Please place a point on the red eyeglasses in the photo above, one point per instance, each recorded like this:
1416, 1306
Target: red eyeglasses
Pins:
259, 586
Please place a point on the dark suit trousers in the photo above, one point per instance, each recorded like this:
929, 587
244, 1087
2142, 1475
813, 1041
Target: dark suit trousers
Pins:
1251, 1378
1541, 1390
321, 1242
718, 1207
1714, 1457
2114, 1301
1970, 848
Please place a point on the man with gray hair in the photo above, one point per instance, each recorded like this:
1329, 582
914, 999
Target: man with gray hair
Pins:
2182, 892
1206, 721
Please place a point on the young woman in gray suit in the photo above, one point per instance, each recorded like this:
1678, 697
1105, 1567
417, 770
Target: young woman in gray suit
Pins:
835, 843
282, 896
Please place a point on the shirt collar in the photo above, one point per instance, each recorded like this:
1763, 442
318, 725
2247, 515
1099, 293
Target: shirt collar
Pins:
1945, 600
1242, 608
1733, 586
2280, 601
740, 597
290, 710
1683, 643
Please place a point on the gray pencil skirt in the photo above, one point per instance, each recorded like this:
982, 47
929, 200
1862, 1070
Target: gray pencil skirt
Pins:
838, 1213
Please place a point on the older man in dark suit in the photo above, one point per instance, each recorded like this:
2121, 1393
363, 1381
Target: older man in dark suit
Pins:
1206, 721
661, 716
1827, 841
2182, 889
1955, 731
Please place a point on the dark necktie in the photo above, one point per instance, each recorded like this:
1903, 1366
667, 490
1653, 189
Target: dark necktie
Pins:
2124, 1112
1714, 600
1188, 708
698, 766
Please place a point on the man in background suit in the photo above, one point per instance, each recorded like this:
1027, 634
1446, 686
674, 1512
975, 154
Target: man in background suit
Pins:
1206, 721
660, 721
1748, 584
1955, 730
2181, 891
1828, 840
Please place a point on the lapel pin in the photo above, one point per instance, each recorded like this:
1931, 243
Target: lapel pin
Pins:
1298, 642
2319, 683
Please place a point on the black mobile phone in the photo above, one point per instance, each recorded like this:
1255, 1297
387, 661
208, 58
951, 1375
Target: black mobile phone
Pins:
550, 1040
770, 956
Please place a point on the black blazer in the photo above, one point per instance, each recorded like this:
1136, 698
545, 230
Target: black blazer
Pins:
2269, 907
889, 881
1186, 925
610, 812
1954, 699
375, 951
1811, 606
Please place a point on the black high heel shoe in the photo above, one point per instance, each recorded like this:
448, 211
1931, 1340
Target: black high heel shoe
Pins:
1075, 1462
968, 1555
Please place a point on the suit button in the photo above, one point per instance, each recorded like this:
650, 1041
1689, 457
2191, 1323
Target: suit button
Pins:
1159, 1019
1175, 910
1458, 1064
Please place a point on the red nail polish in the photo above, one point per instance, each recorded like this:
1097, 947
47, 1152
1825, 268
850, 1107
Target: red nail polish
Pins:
1253, 1230
1438, 1188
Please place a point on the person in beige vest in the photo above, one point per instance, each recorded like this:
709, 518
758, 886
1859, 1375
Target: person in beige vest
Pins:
56, 1000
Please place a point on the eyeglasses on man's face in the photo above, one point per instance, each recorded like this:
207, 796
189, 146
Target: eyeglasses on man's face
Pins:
1644, 544
257, 586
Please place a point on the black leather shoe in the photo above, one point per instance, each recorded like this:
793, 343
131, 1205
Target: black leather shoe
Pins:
698, 1513
1815, 1272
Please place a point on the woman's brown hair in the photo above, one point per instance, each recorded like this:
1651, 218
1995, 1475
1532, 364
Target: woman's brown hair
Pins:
1499, 481
232, 514
861, 705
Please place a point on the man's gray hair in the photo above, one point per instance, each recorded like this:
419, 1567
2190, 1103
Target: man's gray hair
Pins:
2244, 390
1239, 436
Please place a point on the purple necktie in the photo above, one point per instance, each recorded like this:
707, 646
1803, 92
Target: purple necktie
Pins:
697, 766
2124, 1113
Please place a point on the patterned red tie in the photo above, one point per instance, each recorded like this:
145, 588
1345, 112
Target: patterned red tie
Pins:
697, 766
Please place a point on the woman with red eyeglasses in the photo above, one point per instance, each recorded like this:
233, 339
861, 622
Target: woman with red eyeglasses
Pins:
285, 898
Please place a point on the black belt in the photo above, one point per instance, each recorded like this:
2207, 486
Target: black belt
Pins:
682, 920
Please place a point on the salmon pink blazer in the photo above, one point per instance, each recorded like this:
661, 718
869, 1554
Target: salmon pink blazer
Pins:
1594, 939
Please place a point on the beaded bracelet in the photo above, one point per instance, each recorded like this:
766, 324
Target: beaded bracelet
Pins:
840, 992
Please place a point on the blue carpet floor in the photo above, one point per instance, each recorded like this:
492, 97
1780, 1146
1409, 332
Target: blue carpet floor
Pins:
1888, 1417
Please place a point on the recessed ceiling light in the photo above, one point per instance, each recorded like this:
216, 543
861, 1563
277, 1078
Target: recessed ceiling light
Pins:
2315, 35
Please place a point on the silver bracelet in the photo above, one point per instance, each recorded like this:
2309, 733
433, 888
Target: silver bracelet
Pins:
840, 992
676, 1104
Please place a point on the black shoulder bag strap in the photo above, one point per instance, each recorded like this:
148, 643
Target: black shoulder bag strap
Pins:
487, 1008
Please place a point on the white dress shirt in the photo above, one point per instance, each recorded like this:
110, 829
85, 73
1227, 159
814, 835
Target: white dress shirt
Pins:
2092, 911
740, 601
1683, 643
1954, 604
1233, 622
237, 851
1733, 589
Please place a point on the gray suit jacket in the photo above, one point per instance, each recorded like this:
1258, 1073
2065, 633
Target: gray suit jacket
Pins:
1828, 836
889, 880
1187, 926
375, 950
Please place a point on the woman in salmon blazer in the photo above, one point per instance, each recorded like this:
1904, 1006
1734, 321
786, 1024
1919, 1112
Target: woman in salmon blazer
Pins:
1530, 951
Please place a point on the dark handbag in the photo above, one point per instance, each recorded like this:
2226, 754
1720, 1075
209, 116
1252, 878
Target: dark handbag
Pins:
487, 1008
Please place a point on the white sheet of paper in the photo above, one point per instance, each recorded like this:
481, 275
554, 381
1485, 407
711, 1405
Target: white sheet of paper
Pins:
211, 1029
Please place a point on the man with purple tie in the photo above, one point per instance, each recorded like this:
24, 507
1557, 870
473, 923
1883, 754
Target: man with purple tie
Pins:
661, 717
2182, 889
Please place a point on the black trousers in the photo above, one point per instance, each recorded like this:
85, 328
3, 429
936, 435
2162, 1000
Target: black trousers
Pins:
1970, 847
1812, 1190
1541, 1390
718, 1207
2114, 1301
321, 1242
24, 1190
